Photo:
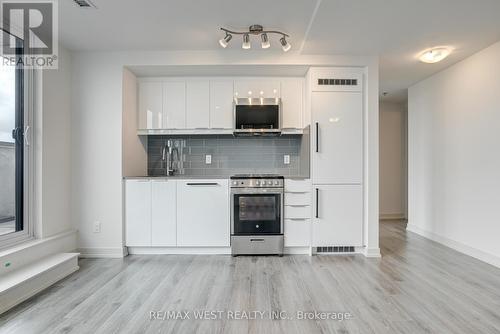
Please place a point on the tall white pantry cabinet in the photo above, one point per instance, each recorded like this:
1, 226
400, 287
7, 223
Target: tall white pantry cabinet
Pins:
336, 104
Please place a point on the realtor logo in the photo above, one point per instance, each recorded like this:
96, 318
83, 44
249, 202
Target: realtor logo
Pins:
29, 33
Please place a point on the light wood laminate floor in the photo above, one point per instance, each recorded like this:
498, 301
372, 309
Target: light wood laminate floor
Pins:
417, 287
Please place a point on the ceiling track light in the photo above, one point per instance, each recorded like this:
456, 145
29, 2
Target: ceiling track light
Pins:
258, 30
225, 41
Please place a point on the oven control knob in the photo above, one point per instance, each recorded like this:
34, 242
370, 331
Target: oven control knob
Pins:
276, 182
257, 182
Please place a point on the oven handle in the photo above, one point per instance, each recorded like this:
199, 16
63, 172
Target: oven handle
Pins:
317, 202
257, 240
202, 184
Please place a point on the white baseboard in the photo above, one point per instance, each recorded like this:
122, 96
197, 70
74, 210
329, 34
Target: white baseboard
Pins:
101, 252
180, 250
392, 216
458, 246
371, 252
298, 250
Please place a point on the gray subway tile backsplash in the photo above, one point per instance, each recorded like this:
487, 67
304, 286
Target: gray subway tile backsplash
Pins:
230, 155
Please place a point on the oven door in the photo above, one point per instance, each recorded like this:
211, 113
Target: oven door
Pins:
256, 211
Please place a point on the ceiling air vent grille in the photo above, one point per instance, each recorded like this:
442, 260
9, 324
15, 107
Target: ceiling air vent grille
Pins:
338, 82
335, 249
84, 3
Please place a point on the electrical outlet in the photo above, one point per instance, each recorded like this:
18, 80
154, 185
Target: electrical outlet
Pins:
208, 159
97, 227
286, 159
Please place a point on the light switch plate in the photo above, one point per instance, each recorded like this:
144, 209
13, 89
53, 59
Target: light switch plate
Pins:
97, 227
208, 159
286, 159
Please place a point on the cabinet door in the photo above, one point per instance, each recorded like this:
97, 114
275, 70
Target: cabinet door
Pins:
150, 105
163, 213
203, 213
292, 102
197, 104
257, 88
337, 137
297, 232
138, 213
221, 104
174, 105
338, 212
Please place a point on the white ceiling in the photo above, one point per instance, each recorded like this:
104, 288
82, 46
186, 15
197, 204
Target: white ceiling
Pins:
396, 30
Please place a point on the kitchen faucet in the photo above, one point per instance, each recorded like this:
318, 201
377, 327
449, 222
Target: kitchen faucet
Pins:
169, 160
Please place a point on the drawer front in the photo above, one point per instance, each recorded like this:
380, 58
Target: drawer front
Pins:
297, 198
297, 212
298, 185
297, 233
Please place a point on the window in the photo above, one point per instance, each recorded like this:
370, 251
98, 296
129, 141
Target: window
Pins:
15, 151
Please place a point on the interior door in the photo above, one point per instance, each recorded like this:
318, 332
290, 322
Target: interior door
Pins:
338, 215
337, 141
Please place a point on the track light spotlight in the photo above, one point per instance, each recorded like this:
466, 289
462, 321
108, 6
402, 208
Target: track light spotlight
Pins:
225, 41
284, 44
246, 42
265, 41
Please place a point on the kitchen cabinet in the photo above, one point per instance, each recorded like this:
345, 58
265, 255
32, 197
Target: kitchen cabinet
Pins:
197, 104
138, 212
174, 105
257, 88
338, 215
221, 104
297, 232
292, 92
150, 105
203, 213
337, 137
163, 213
297, 215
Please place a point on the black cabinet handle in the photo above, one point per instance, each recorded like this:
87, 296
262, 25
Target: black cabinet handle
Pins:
203, 184
317, 137
317, 203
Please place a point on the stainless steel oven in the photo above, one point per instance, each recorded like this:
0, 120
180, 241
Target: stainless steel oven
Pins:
257, 214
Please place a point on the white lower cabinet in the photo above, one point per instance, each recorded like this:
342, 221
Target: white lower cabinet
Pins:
163, 213
297, 213
138, 212
203, 213
297, 232
338, 215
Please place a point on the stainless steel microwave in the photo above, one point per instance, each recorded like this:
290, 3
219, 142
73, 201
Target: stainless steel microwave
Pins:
257, 117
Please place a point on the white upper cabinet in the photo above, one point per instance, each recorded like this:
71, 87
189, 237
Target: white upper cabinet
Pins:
150, 105
197, 104
174, 105
221, 104
337, 137
292, 100
257, 88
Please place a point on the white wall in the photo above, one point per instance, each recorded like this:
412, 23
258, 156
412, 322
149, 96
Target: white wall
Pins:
454, 160
97, 134
392, 160
55, 148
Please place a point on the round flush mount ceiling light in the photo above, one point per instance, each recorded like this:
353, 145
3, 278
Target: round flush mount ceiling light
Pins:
258, 30
434, 55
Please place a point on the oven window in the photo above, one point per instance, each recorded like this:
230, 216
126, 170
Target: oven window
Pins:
257, 214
